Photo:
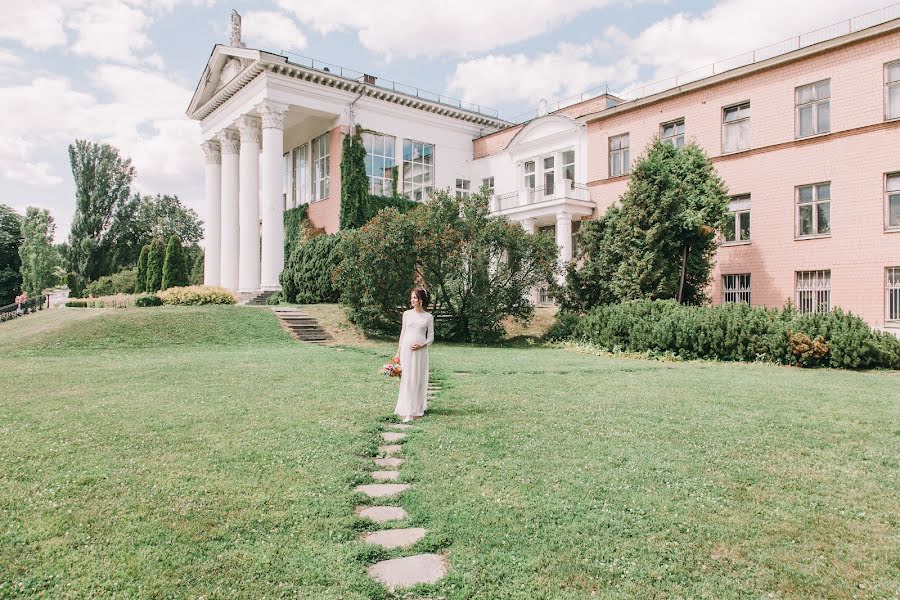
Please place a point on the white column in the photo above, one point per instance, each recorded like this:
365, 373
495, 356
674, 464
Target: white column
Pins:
248, 271
230, 141
564, 238
212, 261
528, 225
271, 199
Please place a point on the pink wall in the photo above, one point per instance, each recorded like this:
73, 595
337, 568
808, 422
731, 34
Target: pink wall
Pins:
854, 157
326, 213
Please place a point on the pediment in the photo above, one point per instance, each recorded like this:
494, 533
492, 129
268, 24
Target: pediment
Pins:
544, 128
224, 64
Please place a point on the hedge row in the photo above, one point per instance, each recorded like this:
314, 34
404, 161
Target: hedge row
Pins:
734, 332
196, 295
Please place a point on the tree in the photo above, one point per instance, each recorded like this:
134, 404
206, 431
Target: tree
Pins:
102, 186
661, 242
10, 262
155, 258
195, 259
140, 281
354, 183
39, 257
174, 267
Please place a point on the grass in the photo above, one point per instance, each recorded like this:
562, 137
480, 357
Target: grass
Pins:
175, 452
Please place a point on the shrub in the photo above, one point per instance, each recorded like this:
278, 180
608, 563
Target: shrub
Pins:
196, 295
174, 267
274, 300
308, 275
75, 283
155, 259
563, 326
140, 282
149, 300
76, 304
123, 282
378, 203
295, 220
739, 332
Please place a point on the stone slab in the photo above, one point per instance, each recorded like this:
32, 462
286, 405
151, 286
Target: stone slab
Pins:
382, 490
395, 538
407, 572
385, 475
388, 462
381, 514
399, 426
392, 436
389, 449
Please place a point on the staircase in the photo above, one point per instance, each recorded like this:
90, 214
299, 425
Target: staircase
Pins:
301, 325
260, 298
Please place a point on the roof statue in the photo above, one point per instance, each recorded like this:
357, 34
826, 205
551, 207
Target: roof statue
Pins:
236, 30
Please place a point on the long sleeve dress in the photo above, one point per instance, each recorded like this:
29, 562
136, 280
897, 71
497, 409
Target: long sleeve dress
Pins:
418, 328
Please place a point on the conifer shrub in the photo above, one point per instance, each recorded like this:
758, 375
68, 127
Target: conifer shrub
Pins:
155, 259
140, 281
148, 301
174, 266
308, 275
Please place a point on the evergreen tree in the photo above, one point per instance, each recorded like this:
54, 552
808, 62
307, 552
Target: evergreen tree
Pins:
174, 267
140, 282
354, 183
10, 262
155, 260
39, 257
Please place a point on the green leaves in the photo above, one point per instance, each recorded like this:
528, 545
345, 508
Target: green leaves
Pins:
39, 258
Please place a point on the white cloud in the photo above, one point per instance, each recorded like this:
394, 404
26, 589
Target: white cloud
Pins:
432, 27
10, 59
272, 31
36, 24
110, 30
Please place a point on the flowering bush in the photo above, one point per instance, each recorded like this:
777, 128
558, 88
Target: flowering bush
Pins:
197, 294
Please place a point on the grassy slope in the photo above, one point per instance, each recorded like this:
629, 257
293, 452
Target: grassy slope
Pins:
200, 451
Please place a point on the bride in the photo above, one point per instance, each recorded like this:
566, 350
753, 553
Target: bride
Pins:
416, 335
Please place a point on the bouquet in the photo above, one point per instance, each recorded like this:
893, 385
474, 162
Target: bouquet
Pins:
392, 369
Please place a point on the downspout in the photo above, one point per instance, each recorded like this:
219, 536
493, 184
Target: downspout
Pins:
350, 108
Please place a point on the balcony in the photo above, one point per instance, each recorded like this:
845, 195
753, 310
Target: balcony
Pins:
546, 200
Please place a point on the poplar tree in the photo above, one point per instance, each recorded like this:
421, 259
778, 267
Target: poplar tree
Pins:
155, 259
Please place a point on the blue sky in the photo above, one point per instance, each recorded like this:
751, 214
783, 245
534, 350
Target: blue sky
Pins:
123, 71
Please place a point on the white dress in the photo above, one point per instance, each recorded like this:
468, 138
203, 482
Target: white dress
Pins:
418, 328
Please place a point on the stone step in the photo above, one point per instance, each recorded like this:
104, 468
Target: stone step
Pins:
381, 514
388, 462
392, 436
382, 490
389, 449
409, 571
395, 538
398, 426
385, 475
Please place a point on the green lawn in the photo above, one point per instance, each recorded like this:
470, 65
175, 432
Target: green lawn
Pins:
187, 452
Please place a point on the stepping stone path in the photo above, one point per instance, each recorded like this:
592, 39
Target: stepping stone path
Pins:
408, 571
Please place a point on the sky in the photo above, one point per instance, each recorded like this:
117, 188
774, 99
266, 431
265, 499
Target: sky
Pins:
123, 71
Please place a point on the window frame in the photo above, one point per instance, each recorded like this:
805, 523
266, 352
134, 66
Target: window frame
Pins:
300, 165
738, 205
489, 186
888, 86
892, 294
672, 139
815, 203
888, 193
741, 292
816, 284
529, 175
410, 187
387, 182
566, 166
739, 122
321, 186
621, 156
463, 188
814, 104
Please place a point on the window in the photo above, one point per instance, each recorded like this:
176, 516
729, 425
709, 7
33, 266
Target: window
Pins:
736, 288
892, 201
287, 185
529, 175
379, 162
892, 90
576, 227
736, 128
462, 188
488, 182
301, 175
321, 168
619, 161
568, 166
543, 295
813, 291
814, 108
892, 293
814, 209
737, 221
549, 175
672, 133
418, 170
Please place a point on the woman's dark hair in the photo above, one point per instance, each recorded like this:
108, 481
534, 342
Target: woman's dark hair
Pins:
422, 295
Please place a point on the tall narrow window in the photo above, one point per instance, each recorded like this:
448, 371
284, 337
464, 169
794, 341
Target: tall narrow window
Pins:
488, 182
301, 175
549, 175
737, 221
529, 174
321, 168
619, 160
892, 201
814, 209
379, 162
813, 108
418, 170
892, 90
287, 182
736, 128
462, 188
736, 288
813, 291
568, 166
672, 133
892, 293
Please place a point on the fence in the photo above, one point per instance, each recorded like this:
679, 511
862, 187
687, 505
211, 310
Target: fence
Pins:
11, 311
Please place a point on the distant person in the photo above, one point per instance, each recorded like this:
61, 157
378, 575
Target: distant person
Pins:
416, 335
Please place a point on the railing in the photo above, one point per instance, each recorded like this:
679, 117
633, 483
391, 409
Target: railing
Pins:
387, 84
11, 311
542, 193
